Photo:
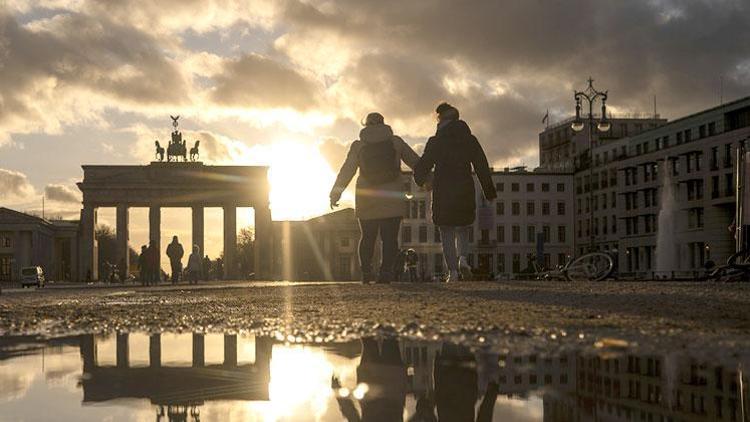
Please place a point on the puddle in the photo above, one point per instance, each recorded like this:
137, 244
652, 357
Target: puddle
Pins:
193, 377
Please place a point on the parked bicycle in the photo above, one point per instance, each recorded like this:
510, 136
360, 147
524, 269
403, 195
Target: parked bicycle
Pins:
593, 266
737, 268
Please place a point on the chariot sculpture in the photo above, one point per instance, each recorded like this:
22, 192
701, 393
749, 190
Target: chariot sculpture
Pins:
177, 147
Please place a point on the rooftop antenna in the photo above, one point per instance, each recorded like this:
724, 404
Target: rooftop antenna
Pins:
721, 90
655, 113
42, 207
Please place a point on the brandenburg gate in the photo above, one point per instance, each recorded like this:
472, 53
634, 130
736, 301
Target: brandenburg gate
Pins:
176, 184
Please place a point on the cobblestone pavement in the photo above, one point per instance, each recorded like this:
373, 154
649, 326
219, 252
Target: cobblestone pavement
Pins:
708, 311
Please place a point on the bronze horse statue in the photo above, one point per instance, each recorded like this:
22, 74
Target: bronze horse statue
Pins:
194, 154
159, 151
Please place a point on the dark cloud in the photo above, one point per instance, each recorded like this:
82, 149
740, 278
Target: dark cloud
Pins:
676, 50
14, 184
260, 82
77, 51
61, 193
397, 86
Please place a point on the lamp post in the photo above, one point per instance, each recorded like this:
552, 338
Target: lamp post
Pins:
591, 95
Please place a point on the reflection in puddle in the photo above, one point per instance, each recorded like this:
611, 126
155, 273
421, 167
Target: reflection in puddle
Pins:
192, 377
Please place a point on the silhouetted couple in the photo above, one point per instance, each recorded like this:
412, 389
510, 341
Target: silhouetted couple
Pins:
456, 389
445, 168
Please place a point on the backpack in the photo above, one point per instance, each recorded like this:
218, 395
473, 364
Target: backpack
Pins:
377, 162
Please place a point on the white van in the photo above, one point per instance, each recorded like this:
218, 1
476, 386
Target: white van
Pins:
32, 276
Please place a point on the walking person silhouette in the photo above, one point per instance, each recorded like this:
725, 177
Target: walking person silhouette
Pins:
175, 254
379, 197
453, 152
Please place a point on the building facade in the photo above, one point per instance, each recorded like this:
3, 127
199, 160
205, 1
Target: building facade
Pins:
618, 191
696, 155
532, 216
321, 248
27, 240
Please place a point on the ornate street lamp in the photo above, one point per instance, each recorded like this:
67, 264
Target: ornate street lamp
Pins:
591, 95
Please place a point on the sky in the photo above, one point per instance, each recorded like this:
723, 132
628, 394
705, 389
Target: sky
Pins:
286, 83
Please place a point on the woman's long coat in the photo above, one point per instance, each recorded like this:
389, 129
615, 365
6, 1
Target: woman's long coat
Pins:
452, 152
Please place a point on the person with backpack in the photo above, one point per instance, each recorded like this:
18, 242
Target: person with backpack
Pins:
379, 196
452, 153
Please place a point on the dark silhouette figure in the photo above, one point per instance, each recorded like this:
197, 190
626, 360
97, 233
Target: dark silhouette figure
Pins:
219, 268
452, 153
377, 155
385, 374
425, 410
175, 254
194, 267
412, 260
456, 386
153, 271
123, 270
206, 268
143, 269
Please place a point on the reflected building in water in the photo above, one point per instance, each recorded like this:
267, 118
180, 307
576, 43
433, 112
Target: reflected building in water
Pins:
624, 386
383, 379
177, 391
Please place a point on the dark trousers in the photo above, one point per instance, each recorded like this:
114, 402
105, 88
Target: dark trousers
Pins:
176, 270
388, 229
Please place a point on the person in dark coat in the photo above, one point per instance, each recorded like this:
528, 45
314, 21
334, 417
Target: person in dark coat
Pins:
152, 263
143, 269
452, 153
175, 252
206, 268
384, 372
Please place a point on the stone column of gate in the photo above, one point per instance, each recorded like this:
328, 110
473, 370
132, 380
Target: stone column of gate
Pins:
197, 230
123, 256
230, 242
263, 243
154, 231
88, 254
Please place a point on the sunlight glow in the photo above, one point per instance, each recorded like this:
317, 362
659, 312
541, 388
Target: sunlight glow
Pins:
300, 181
300, 377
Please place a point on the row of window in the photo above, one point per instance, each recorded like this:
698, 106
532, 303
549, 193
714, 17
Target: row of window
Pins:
693, 162
694, 188
6, 241
601, 180
531, 234
681, 137
606, 225
597, 200
515, 208
530, 187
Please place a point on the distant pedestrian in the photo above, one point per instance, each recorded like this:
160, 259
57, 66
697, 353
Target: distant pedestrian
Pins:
195, 265
206, 268
452, 153
380, 196
143, 270
175, 254
154, 272
412, 260
219, 268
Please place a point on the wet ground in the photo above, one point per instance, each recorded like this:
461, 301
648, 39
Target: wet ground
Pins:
342, 351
